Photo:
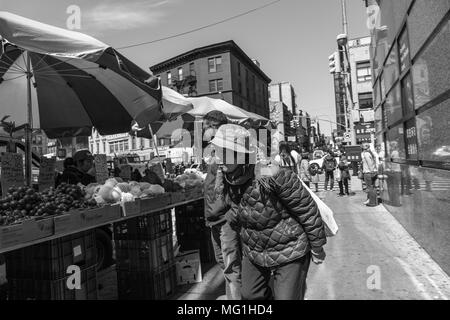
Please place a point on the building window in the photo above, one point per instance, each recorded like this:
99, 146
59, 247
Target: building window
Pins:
125, 145
403, 48
133, 143
215, 64
239, 68
104, 147
363, 71
365, 100
169, 78
215, 85
180, 74
111, 148
407, 95
92, 147
98, 147
191, 69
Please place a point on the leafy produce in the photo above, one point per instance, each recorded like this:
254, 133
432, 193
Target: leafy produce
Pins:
189, 180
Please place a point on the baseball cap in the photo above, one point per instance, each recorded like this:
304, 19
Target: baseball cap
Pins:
82, 155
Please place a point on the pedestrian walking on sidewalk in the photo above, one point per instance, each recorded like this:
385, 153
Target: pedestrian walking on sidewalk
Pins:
370, 172
225, 239
280, 225
329, 165
304, 169
345, 176
287, 158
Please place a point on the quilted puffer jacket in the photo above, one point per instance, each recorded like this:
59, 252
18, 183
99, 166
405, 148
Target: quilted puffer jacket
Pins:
215, 207
279, 225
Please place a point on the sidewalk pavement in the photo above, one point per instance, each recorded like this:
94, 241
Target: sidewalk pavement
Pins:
371, 258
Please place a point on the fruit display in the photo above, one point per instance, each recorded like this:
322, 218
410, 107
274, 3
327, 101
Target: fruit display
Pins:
23, 203
189, 180
113, 191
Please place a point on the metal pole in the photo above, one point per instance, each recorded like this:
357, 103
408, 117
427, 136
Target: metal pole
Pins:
344, 16
156, 148
29, 133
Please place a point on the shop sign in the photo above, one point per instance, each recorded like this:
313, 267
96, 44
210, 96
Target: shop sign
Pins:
47, 173
11, 171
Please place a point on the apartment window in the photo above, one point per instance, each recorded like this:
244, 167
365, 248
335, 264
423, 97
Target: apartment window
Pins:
180, 74
215, 85
365, 100
215, 64
125, 145
363, 71
111, 148
104, 147
142, 143
98, 147
169, 78
133, 143
191, 69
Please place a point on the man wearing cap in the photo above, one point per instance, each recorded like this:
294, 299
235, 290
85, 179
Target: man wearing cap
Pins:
81, 171
225, 240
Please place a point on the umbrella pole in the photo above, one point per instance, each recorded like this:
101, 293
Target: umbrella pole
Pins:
156, 148
29, 127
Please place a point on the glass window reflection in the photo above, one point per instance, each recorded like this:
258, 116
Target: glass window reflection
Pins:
433, 133
396, 144
393, 106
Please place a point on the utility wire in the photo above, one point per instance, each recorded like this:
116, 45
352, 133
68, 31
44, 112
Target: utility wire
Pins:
201, 28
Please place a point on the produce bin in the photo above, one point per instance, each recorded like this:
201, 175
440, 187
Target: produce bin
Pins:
131, 208
26, 231
32, 289
49, 260
155, 203
144, 255
146, 227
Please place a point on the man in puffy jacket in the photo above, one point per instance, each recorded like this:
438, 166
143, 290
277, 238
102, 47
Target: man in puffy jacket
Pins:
329, 165
225, 239
280, 225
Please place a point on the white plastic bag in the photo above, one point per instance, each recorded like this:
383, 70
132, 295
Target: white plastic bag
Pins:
331, 227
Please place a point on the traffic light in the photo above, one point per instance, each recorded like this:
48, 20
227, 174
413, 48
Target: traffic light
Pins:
335, 63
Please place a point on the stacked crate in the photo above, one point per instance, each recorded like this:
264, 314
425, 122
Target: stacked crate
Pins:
192, 232
145, 258
49, 271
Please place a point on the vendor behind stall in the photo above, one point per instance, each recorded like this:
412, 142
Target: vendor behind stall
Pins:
81, 170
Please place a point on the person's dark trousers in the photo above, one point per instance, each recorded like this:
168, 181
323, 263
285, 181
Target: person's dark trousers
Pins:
370, 179
343, 183
289, 280
329, 175
227, 250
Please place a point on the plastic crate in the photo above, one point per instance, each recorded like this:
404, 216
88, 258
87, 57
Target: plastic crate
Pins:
191, 209
32, 289
146, 285
191, 226
49, 260
203, 243
147, 227
144, 255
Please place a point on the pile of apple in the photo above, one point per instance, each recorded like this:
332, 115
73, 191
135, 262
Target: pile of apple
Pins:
23, 203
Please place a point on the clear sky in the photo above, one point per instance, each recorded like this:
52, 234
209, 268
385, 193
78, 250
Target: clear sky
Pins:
291, 39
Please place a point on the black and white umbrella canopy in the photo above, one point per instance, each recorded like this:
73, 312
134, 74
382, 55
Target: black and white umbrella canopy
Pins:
77, 81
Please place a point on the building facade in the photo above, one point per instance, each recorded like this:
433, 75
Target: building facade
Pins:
411, 83
223, 71
361, 75
284, 92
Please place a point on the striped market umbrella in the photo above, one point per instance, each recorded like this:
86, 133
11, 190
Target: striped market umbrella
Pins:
77, 82
66, 82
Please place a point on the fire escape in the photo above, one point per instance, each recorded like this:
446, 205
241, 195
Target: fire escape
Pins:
189, 82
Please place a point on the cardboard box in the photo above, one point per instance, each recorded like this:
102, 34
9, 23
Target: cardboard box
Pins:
189, 267
155, 203
26, 231
132, 208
